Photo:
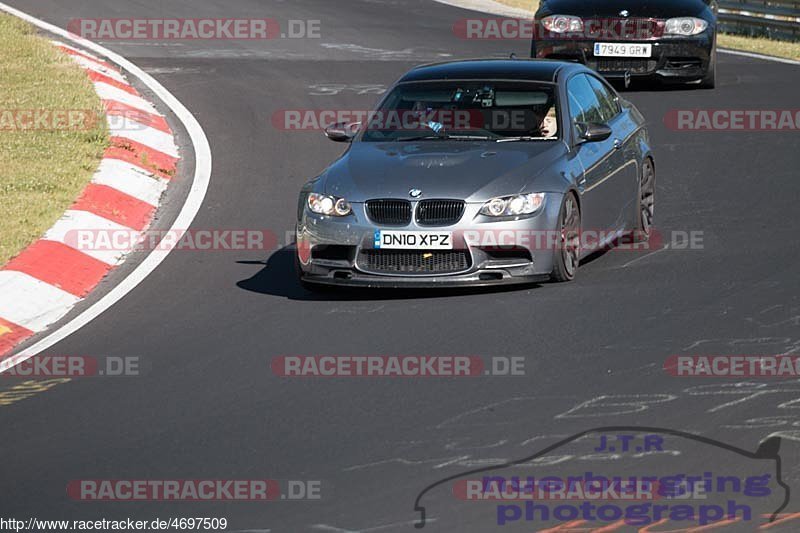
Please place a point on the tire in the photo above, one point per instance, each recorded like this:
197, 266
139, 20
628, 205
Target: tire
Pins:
298, 272
567, 255
710, 79
646, 202
314, 288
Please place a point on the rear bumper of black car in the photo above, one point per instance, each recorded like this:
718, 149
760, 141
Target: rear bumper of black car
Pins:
683, 60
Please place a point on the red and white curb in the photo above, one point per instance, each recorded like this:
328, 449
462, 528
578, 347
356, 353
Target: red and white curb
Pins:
41, 284
491, 7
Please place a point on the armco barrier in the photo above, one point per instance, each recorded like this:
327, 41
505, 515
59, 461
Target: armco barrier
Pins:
776, 19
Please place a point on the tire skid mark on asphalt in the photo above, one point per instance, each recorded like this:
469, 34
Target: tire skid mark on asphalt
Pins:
28, 389
335, 529
629, 263
336, 89
540, 462
632, 404
381, 54
787, 342
440, 462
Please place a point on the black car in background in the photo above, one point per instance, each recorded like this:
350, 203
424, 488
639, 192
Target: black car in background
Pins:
670, 40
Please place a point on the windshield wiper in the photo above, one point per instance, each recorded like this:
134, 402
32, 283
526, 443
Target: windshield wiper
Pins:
470, 138
524, 138
423, 138
447, 138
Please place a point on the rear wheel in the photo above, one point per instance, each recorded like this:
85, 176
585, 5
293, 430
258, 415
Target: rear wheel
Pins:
567, 256
646, 203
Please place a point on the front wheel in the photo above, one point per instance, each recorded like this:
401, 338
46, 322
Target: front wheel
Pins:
646, 203
298, 274
710, 79
567, 256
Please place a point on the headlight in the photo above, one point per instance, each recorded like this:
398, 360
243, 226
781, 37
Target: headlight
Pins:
323, 204
509, 206
562, 24
685, 26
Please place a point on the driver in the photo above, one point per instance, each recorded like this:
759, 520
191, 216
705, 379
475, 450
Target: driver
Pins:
549, 127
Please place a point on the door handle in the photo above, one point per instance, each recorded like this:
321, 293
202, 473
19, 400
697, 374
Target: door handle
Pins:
617, 144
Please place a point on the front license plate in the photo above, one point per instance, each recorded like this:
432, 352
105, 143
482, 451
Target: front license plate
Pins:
622, 50
413, 240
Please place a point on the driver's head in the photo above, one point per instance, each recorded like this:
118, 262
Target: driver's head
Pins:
549, 126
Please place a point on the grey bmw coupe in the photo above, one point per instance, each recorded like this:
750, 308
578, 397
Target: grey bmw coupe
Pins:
479, 172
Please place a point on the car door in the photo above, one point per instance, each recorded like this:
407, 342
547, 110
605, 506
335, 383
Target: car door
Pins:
623, 184
599, 159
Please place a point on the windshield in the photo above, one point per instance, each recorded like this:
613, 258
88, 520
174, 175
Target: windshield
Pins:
468, 110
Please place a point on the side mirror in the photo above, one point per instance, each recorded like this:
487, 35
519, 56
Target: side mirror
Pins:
594, 132
342, 132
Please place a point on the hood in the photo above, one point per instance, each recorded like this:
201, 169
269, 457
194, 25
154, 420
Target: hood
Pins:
661, 9
469, 171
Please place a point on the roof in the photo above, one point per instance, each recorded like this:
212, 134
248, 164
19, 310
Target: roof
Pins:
490, 69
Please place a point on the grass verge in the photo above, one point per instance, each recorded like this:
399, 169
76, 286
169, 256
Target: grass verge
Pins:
52, 134
758, 45
530, 5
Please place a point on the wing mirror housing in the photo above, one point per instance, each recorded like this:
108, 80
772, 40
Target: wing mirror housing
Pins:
342, 132
593, 132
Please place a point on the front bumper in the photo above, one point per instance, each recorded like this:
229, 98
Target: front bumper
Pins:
677, 59
334, 251
360, 280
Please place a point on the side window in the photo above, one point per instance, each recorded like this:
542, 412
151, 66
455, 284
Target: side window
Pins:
609, 107
583, 103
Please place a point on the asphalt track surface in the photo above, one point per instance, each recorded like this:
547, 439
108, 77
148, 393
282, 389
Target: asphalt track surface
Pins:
208, 324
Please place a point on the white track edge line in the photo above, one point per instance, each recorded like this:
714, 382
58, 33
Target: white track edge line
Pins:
758, 56
191, 206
